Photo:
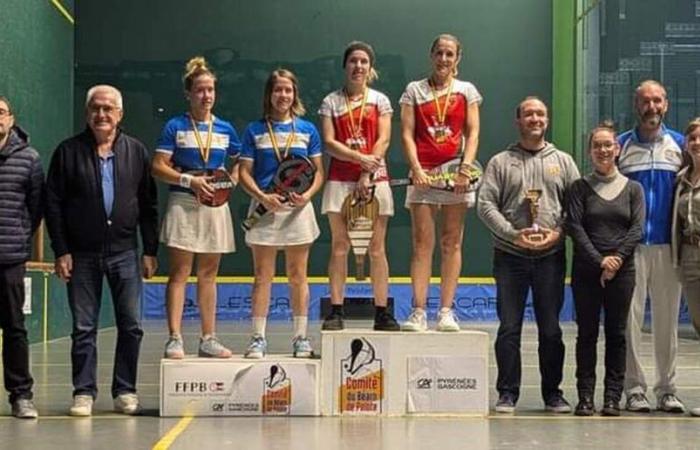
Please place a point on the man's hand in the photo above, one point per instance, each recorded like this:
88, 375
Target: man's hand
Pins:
611, 263
150, 265
64, 266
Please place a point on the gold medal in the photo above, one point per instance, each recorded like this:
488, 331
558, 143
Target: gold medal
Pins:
440, 134
203, 150
357, 141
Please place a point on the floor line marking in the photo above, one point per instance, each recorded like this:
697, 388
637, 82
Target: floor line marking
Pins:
166, 441
63, 11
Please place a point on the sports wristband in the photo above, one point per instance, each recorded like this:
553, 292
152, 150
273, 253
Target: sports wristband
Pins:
185, 180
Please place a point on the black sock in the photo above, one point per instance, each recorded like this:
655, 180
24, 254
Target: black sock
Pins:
379, 311
337, 309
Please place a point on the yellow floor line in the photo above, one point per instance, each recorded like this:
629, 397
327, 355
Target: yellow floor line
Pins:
63, 11
167, 440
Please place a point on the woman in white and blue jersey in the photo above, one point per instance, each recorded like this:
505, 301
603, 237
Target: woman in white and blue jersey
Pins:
291, 226
191, 145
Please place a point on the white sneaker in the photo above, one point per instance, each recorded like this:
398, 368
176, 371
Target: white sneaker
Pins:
695, 412
127, 404
447, 321
82, 406
670, 403
417, 321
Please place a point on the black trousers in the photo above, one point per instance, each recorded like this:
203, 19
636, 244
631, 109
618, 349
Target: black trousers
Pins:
15, 346
614, 300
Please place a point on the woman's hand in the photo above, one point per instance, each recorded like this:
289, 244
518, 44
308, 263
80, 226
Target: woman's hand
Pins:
363, 188
298, 199
369, 163
200, 185
420, 178
272, 201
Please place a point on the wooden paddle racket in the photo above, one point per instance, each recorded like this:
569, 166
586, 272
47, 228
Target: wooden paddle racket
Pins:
295, 174
221, 181
359, 218
443, 176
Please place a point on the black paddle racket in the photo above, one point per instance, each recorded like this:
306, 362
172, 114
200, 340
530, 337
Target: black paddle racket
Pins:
294, 174
443, 176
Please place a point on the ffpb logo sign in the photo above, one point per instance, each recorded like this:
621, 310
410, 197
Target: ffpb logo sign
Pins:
362, 379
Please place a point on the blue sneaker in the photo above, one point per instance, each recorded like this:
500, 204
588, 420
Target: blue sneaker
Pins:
257, 347
302, 347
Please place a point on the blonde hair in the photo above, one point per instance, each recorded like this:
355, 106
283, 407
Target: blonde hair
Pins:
448, 37
364, 47
195, 68
298, 109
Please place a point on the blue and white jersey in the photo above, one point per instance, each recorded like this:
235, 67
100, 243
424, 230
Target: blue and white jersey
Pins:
178, 139
257, 146
653, 164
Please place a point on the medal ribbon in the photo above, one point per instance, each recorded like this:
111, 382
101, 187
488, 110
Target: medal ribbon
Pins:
355, 130
203, 150
441, 112
275, 145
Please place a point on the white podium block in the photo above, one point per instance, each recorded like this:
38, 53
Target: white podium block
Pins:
276, 385
397, 373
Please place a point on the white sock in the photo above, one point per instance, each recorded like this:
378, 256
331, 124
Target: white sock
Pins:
445, 309
259, 324
300, 325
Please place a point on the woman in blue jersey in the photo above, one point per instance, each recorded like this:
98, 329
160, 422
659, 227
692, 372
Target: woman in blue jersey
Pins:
191, 144
291, 225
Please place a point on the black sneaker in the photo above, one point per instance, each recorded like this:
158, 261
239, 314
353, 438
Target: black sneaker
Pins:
506, 403
557, 404
585, 406
610, 408
386, 322
333, 322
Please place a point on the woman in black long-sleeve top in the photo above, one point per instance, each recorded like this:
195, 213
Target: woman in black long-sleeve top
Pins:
605, 216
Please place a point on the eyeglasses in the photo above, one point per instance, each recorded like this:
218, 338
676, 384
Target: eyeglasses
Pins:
107, 109
602, 145
5, 112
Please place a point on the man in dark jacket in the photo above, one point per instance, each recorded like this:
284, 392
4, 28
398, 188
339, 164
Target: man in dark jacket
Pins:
21, 191
100, 193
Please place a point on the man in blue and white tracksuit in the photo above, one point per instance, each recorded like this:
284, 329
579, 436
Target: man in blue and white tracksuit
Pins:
651, 154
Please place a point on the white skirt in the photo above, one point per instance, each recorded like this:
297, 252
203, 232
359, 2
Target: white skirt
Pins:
437, 197
196, 228
335, 193
285, 227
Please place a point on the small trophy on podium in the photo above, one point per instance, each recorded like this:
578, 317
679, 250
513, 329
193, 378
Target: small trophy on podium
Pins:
532, 196
359, 217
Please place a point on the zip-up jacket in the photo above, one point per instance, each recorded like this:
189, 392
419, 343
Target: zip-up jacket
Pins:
21, 197
75, 213
654, 165
502, 205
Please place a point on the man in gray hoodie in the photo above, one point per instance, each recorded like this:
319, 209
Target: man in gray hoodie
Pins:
521, 201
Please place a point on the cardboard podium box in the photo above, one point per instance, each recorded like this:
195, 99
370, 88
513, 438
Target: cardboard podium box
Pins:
398, 373
276, 385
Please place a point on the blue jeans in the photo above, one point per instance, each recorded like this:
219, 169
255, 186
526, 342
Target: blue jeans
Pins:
515, 276
123, 273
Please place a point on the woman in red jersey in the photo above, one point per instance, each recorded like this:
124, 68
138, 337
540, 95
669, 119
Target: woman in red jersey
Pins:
439, 121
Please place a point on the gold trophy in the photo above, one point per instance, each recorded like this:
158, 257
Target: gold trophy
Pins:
532, 196
359, 218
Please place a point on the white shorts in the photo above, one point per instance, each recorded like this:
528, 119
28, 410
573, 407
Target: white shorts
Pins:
196, 228
437, 197
335, 193
288, 226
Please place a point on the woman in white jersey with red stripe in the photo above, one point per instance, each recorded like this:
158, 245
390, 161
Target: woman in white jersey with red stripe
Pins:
356, 128
439, 121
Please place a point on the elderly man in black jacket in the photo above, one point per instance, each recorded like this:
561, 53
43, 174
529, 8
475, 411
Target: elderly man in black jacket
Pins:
21, 191
99, 194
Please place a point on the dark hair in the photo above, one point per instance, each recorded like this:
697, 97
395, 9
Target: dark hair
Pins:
365, 47
605, 125
527, 99
297, 106
194, 68
7, 102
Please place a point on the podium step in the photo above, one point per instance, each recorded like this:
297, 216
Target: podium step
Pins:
277, 385
368, 372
